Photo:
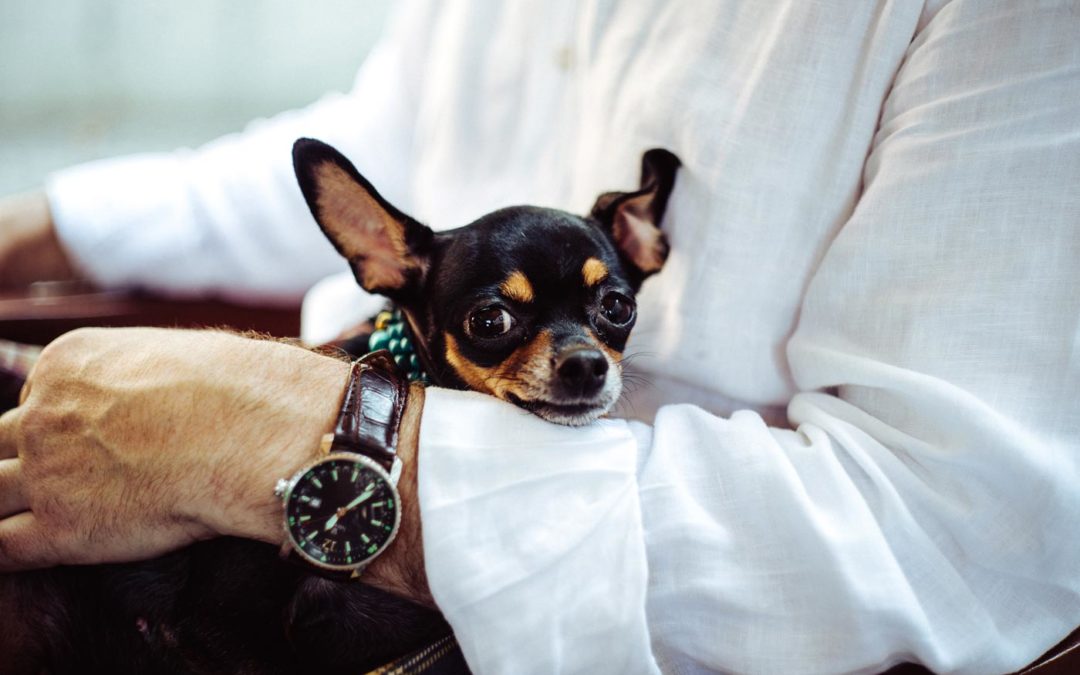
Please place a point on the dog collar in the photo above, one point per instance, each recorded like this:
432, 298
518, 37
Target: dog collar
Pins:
391, 334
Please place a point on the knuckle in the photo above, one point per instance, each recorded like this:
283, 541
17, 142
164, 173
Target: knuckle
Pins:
64, 346
31, 424
71, 347
53, 358
63, 359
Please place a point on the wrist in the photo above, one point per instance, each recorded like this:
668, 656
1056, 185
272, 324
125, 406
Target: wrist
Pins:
299, 394
251, 509
400, 569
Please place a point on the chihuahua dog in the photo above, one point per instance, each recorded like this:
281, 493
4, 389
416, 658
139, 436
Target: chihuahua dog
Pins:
531, 305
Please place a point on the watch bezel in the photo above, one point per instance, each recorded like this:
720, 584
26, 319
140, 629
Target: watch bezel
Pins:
350, 457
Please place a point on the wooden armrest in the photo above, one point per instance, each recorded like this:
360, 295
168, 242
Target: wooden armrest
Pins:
49, 310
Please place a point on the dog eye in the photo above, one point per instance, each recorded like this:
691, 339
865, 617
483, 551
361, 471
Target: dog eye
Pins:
618, 309
490, 322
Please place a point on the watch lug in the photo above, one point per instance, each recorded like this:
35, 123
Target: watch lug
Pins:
326, 443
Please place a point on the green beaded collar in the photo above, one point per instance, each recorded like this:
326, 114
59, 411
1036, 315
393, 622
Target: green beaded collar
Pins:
390, 334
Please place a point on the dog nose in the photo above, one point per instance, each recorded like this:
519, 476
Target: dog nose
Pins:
581, 371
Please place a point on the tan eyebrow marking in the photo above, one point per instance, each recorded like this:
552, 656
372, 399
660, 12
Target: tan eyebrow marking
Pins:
517, 287
593, 271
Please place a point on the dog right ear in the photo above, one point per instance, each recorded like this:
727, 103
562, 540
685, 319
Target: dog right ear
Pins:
388, 251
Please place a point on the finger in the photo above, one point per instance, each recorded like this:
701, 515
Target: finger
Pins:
23, 544
24, 392
8, 425
12, 499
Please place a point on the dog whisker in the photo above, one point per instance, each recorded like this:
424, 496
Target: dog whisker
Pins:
628, 359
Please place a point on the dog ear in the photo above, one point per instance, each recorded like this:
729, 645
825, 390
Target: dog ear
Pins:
388, 251
633, 218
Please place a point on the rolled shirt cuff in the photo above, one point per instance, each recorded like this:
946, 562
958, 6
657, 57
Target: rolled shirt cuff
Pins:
533, 538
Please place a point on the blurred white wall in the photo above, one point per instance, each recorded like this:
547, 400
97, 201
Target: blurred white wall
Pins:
82, 79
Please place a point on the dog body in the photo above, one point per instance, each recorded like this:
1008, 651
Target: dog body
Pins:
528, 304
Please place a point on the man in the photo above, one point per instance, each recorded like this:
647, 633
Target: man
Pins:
874, 244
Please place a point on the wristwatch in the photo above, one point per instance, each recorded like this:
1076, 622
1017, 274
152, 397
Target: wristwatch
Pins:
342, 510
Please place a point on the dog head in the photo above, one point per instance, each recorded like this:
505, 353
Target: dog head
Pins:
529, 304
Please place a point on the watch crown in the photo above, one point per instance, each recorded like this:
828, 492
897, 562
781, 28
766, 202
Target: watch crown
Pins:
280, 488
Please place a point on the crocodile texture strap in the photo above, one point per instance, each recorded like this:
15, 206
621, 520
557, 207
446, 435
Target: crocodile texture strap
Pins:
371, 411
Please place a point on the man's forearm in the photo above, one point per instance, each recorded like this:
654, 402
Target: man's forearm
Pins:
135, 442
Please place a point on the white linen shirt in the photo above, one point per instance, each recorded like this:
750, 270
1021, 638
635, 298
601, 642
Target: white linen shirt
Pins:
875, 250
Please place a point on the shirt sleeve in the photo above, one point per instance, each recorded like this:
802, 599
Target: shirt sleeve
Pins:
921, 506
904, 520
228, 218
533, 538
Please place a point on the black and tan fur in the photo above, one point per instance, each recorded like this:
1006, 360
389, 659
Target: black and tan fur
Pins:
549, 270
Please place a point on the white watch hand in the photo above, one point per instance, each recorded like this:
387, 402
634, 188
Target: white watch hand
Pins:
332, 520
360, 500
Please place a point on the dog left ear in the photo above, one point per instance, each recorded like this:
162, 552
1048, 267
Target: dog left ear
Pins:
633, 218
388, 251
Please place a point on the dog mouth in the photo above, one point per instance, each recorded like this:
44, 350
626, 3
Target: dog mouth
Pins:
569, 414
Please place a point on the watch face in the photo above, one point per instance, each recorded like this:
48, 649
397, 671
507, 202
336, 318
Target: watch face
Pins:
342, 511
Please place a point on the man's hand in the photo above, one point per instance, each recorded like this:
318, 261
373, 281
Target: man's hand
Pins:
134, 442
29, 248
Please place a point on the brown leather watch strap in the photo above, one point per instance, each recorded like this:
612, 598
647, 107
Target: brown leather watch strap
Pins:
371, 412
